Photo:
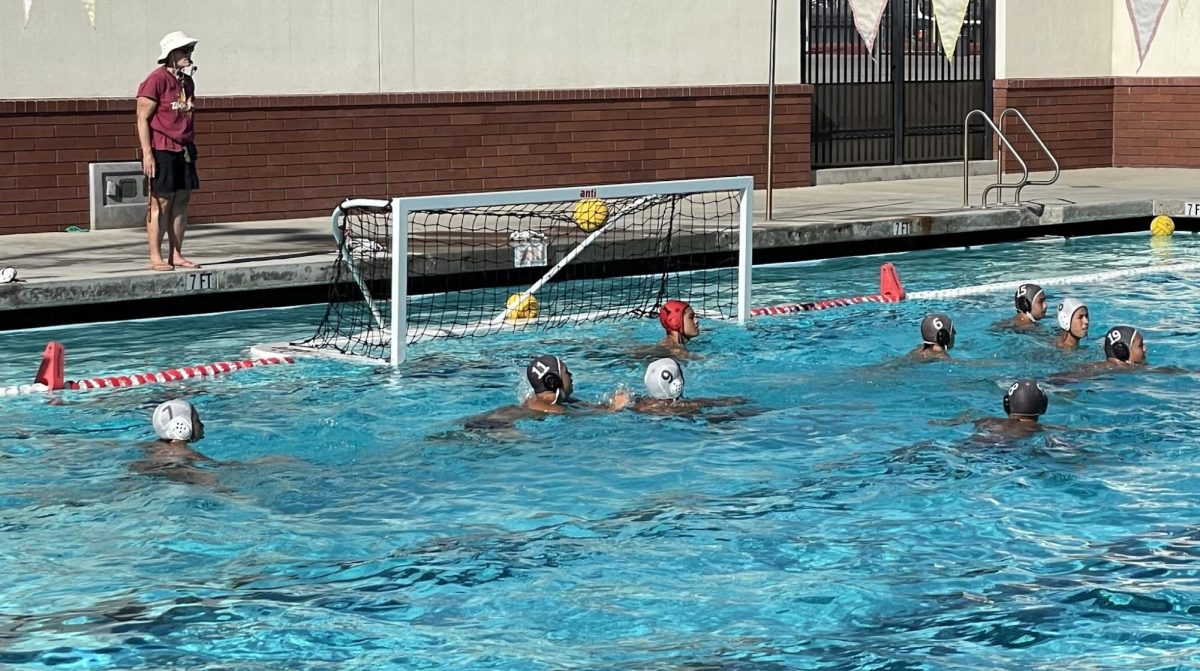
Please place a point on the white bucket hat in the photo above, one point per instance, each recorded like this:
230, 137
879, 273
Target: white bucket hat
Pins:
173, 41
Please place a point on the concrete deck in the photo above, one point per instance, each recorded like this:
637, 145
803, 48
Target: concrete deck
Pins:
66, 269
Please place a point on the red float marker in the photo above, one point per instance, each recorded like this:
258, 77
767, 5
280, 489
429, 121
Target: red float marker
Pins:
891, 290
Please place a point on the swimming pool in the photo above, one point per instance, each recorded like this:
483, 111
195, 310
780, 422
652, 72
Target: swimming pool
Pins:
353, 523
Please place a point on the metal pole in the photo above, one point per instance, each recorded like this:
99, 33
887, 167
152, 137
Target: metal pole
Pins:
771, 110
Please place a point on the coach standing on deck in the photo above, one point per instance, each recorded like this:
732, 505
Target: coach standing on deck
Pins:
165, 103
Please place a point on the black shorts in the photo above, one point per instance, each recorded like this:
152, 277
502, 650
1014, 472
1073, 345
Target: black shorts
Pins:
174, 171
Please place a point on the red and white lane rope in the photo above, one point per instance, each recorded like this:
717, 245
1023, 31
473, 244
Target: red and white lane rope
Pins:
790, 308
173, 374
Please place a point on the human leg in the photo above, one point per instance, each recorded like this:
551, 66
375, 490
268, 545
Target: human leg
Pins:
158, 218
178, 228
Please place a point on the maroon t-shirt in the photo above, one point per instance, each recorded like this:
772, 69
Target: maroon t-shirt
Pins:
171, 126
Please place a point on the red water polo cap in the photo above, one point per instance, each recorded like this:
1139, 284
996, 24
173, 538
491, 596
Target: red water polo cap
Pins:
671, 315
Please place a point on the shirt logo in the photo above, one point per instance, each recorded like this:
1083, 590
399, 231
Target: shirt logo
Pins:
183, 104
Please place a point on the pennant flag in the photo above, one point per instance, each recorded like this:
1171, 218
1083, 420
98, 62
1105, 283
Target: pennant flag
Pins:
1183, 6
1145, 15
28, 6
949, 15
90, 6
867, 14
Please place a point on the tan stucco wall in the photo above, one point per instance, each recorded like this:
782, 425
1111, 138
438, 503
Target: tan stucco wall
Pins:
362, 46
1054, 38
1175, 51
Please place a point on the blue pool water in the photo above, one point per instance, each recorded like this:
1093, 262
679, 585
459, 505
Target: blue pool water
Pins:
353, 524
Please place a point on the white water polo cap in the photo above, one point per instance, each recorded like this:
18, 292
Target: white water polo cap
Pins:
173, 420
664, 379
1067, 310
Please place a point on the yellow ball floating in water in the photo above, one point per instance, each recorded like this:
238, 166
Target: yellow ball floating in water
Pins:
521, 309
590, 214
1162, 225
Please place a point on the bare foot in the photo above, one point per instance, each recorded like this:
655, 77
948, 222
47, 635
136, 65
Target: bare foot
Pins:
161, 265
184, 263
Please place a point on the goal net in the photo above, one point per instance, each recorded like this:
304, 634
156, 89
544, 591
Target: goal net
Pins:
411, 269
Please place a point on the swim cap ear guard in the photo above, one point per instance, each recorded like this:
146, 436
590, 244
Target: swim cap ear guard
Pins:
1025, 296
545, 374
1066, 311
1117, 342
664, 379
938, 329
173, 420
670, 315
1026, 398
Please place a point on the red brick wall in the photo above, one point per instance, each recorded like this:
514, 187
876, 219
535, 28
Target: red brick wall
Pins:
1157, 122
1074, 117
297, 156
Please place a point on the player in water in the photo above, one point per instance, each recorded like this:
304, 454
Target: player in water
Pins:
1030, 301
681, 324
177, 425
664, 392
553, 387
1024, 404
937, 338
1073, 319
1124, 352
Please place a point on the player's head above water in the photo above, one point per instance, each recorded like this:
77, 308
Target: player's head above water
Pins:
664, 379
1025, 399
177, 420
677, 317
1125, 344
549, 375
937, 329
1030, 300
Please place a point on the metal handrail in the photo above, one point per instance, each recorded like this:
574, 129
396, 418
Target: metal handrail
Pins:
967, 165
1037, 138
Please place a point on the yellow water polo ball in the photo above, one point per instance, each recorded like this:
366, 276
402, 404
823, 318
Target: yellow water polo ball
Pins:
522, 309
590, 214
1162, 225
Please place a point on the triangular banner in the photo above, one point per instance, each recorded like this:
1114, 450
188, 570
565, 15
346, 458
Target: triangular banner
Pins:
1145, 15
28, 6
867, 14
950, 15
1183, 6
90, 6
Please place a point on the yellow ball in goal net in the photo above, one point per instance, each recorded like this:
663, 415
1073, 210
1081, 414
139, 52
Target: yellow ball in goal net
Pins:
522, 309
590, 214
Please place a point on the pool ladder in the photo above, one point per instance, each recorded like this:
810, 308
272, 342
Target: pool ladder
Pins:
999, 185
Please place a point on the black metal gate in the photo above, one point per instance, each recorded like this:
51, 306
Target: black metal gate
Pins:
905, 103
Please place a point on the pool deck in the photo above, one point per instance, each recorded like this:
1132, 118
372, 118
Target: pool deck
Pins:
76, 269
